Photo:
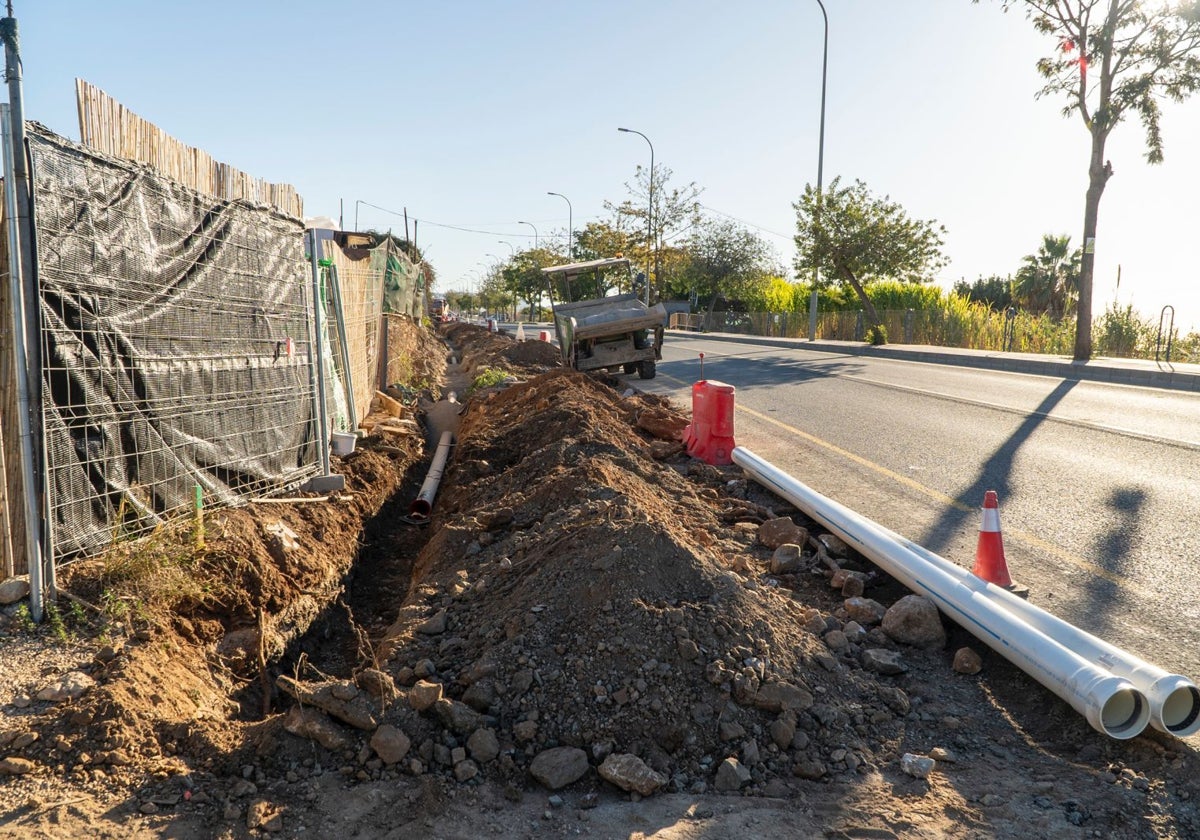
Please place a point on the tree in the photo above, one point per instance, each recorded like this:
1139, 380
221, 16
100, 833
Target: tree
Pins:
1112, 58
852, 236
994, 292
675, 210
1048, 281
724, 258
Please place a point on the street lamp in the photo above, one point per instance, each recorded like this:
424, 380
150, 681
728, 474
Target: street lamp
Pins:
651, 240
534, 233
812, 306
510, 246
570, 222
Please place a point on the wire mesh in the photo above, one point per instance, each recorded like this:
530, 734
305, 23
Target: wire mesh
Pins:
176, 345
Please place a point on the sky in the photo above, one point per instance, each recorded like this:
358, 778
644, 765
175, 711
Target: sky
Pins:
467, 112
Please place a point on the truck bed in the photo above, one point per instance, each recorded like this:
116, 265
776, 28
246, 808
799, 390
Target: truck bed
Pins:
610, 316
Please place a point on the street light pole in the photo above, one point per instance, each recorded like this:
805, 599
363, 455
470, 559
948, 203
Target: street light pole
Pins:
570, 222
650, 238
812, 305
534, 233
510, 246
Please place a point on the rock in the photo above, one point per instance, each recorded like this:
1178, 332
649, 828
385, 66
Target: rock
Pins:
24, 739
628, 772
661, 422
526, 730
264, 815
776, 532
834, 544
16, 766
728, 730
376, 683
914, 620
967, 661
483, 745
866, 611
779, 697
496, 518
424, 694
783, 729
731, 775
457, 716
688, 649
750, 753
13, 589
786, 560
941, 754
390, 744
917, 766
558, 767
338, 698
433, 625
815, 624
836, 640
280, 539
310, 723
808, 768
883, 661
480, 696
465, 770
70, 687
853, 587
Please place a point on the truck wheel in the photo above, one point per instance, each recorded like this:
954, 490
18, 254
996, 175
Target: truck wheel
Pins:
629, 367
646, 369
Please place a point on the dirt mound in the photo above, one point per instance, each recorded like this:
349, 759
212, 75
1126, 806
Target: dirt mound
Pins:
482, 349
589, 600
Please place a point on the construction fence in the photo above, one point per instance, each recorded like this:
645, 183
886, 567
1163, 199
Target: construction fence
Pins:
173, 356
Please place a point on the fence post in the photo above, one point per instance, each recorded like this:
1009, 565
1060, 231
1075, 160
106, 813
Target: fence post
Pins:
859, 329
908, 326
326, 482
812, 316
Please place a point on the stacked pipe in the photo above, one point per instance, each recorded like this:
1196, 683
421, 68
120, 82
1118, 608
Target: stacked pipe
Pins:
1118, 693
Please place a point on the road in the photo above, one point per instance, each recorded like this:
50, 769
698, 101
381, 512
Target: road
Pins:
1098, 483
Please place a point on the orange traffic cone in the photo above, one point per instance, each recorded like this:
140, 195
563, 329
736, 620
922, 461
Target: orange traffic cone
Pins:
989, 555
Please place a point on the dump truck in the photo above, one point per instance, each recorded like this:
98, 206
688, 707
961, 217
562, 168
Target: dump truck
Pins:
614, 333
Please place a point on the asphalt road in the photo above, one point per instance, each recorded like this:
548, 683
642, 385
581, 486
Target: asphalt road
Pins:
1099, 484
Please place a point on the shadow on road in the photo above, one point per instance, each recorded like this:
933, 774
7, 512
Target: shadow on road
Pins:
995, 475
757, 369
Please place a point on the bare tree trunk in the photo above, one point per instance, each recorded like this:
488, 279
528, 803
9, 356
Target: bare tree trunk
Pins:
1099, 172
868, 307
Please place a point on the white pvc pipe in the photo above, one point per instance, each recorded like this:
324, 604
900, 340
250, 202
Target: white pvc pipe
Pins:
422, 506
1111, 704
1174, 699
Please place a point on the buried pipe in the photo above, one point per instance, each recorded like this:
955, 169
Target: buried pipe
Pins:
1174, 699
1111, 704
422, 506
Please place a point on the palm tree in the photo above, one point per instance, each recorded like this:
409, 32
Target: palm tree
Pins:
1048, 281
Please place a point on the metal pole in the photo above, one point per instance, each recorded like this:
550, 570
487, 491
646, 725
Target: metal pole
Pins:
534, 233
318, 349
31, 371
820, 155
651, 239
21, 361
510, 246
570, 222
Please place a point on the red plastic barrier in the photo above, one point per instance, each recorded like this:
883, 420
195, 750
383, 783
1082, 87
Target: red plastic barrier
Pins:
709, 436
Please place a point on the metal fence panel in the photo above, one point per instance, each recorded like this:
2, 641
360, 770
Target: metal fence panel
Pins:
176, 344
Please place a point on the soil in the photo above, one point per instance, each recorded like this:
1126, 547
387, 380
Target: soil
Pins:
584, 591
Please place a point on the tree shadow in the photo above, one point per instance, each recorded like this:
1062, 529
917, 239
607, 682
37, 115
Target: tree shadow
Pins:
995, 475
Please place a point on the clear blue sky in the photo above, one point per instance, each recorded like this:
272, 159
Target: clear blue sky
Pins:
466, 112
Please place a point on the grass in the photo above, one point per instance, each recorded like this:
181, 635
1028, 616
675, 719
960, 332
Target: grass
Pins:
488, 378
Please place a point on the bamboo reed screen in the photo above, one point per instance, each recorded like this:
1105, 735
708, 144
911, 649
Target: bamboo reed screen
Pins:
109, 127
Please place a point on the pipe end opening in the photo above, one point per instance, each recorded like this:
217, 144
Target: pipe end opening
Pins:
1181, 711
1125, 714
